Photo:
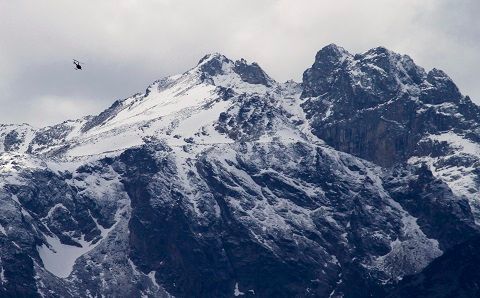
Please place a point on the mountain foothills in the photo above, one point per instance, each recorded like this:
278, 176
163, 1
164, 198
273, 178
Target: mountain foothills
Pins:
363, 180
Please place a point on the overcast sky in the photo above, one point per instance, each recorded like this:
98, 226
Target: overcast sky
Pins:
127, 44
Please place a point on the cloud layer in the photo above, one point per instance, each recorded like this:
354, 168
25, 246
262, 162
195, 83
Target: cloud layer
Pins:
127, 44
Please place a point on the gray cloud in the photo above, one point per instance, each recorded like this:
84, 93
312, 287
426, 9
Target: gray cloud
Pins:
127, 44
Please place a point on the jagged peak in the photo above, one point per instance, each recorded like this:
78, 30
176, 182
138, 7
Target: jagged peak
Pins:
334, 48
215, 64
252, 73
387, 65
380, 50
243, 61
213, 57
383, 55
438, 74
447, 89
331, 53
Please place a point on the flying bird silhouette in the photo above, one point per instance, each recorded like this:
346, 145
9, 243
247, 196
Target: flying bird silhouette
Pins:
77, 64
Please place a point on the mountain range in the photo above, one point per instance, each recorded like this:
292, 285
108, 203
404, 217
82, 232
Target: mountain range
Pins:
363, 180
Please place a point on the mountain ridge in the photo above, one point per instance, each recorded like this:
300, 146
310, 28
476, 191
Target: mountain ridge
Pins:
221, 181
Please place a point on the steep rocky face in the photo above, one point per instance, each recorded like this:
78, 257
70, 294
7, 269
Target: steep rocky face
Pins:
273, 219
58, 227
221, 182
280, 220
381, 107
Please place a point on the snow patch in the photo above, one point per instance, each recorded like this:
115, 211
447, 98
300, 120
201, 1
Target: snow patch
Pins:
458, 142
151, 275
59, 258
409, 253
237, 292
461, 178
3, 279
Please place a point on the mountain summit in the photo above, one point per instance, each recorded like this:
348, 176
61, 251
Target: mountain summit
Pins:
222, 182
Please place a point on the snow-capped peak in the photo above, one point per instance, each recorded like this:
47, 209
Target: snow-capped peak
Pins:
221, 71
332, 50
212, 56
228, 151
213, 64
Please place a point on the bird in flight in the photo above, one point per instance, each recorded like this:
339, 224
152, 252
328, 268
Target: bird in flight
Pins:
77, 64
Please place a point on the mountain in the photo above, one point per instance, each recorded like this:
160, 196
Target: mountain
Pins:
382, 107
222, 182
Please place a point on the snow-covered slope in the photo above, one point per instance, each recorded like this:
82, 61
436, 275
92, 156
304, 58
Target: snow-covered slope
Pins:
176, 108
15, 137
223, 182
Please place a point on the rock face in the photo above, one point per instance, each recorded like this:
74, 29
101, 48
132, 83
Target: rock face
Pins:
221, 182
454, 274
381, 107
